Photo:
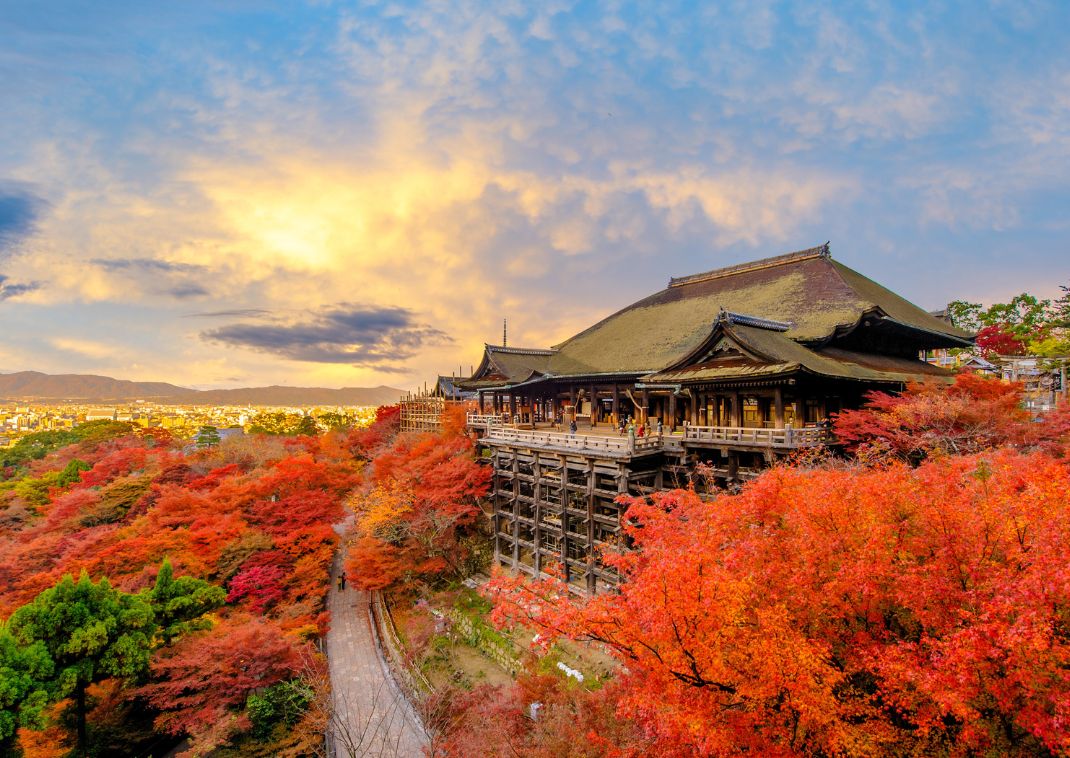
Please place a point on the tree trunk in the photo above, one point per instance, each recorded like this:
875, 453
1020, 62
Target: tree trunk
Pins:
79, 704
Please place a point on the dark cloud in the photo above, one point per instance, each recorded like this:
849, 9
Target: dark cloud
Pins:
10, 289
169, 278
235, 313
19, 212
146, 265
361, 336
186, 291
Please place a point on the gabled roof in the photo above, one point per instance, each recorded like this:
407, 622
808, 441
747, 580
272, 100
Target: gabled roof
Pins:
503, 366
447, 387
750, 349
818, 298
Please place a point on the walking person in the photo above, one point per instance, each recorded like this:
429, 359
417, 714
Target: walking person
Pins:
661, 427
572, 427
341, 582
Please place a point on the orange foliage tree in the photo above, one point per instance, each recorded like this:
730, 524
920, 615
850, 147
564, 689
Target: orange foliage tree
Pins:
418, 519
252, 515
203, 677
967, 416
840, 611
540, 716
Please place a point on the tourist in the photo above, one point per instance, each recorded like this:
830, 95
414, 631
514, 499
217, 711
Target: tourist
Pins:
572, 427
341, 582
661, 427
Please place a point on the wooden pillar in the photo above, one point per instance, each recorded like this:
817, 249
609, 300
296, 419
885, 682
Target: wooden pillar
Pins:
537, 537
516, 507
616, 403
512, 406
591, 578
646, 406
778, 408
694, 408
566, 571
672, 410
594, 405
737, 410
482, 410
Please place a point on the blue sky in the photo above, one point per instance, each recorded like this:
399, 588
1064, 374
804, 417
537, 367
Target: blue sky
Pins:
333, 193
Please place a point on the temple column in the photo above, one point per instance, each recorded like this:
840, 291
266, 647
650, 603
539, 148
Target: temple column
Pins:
616, 404
672, 411
482, 410
737, 410
594, 405
778, 408
512, 407
646, 405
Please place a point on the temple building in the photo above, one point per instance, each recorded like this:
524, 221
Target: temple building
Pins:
740, 365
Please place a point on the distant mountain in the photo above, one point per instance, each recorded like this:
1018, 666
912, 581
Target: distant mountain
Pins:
33, 385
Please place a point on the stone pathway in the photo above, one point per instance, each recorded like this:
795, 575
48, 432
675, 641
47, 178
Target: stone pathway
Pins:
371, 717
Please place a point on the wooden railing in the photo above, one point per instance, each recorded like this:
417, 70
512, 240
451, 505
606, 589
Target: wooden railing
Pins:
496, 431
484, 419
789, 437
582, 442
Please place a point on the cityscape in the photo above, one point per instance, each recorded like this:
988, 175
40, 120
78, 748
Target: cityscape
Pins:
184, 422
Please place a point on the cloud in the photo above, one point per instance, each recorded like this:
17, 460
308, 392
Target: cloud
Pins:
357, 335
86, 348
166, 277
19, 213
233, 313
147, 265
186, 291
10, 289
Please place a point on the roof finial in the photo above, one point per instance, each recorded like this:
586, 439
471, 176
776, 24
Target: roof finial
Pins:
505, 332
825, 252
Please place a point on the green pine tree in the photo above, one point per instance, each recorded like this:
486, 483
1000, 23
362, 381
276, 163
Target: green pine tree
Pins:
25, 673
91, 632
180, 604
207, 436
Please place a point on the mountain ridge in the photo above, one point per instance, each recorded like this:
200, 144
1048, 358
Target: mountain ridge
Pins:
36, 385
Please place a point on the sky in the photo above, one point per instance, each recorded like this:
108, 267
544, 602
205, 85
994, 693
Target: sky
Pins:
353, 194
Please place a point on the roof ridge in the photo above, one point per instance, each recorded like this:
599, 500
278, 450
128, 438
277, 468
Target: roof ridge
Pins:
821, 251
519, 350
758, 322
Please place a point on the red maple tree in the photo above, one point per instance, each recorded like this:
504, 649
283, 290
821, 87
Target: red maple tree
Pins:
840, 611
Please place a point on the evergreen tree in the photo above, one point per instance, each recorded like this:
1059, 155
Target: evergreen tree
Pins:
25, 672
208, 436
91, 632
180, 604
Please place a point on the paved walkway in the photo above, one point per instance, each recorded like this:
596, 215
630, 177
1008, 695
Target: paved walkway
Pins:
371, 717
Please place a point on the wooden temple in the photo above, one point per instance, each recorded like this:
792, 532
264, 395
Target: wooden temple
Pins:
741, 365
